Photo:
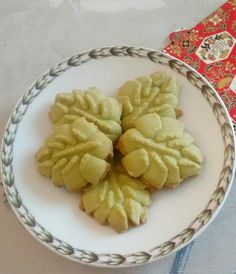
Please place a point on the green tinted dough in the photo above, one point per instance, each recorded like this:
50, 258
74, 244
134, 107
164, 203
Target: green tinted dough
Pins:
156, 93
119, 201
104, 112
75, 154
159, 152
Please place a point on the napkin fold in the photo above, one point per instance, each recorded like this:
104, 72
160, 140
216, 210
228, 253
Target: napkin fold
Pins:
210, 48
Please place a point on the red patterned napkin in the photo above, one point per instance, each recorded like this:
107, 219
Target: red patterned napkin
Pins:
210, 48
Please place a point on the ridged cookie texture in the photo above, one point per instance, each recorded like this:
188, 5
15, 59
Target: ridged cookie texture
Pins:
103, 111
75, 155
119, 201
159, 151
156, 93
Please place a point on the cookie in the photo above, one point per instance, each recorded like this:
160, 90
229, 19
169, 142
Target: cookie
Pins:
119, 201
157, 93
75, 155
103, 111
159, 151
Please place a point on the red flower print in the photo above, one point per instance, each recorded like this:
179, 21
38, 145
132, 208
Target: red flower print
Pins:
211, 57
230, 43
211, 41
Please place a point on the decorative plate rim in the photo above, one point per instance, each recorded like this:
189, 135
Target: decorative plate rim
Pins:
113, 259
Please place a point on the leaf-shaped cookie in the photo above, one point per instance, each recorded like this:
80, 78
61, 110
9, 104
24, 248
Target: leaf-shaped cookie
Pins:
159, 151
119, 201
75, 155
156, 93
104, 112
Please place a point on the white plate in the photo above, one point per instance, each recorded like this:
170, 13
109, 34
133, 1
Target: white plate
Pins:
175, 218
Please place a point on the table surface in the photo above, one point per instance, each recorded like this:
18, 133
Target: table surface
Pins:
36, 34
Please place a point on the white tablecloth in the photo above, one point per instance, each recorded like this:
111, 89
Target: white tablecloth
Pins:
36, 34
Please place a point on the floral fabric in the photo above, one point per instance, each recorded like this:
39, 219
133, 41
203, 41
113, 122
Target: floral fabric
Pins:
210, 48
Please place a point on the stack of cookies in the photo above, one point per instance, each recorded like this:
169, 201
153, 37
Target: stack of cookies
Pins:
116, 151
